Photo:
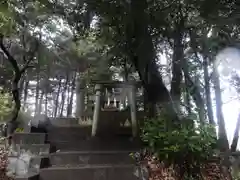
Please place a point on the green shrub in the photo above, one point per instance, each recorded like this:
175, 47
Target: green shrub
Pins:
6, 109
187, 142
19, 130
5, 106
236, 176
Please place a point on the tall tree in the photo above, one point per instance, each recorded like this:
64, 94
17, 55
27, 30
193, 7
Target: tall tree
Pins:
18, 73
222, 135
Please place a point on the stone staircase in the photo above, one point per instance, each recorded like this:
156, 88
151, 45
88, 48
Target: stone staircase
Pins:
78, 156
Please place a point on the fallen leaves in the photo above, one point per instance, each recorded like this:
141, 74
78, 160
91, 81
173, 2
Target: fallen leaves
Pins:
210, 171
4, 164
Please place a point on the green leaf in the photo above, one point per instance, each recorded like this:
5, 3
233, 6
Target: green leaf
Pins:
177, 141
5, 110
6, 18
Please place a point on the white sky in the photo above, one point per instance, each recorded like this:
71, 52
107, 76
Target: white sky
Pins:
229, 60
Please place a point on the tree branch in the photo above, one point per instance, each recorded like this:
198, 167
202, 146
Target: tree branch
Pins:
26, 65
10, 58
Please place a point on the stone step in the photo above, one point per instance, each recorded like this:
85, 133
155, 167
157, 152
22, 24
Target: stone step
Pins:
71, 134
98, 144
118, 172
34, 149
64, 146
64, 121
93, 157
28, 176
85, 131
29, 138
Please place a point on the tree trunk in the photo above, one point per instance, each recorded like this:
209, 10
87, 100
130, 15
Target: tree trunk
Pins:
52, 103
16, 98
187, 98
70, 105
199, 101
126, 70
62, 104
194, 45
143, 55
222, 135
47, 89
208, 92
193, 89
236, 136
25, 95
57, 98
187, 82
64, 94
177, 65
37, 90
46, 103
21, 86
68, 93
40, 103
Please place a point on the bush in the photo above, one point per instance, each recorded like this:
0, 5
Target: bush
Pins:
19, 130
5, 106
187, 145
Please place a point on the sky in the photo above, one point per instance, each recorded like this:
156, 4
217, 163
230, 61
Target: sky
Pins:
228, 60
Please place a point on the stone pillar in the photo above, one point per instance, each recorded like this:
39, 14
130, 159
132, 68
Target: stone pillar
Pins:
97, 109
132, 103
80, 96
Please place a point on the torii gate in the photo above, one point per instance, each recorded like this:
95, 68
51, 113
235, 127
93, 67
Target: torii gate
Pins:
130, 89
130, 86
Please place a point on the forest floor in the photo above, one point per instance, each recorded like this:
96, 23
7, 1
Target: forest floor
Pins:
211, 171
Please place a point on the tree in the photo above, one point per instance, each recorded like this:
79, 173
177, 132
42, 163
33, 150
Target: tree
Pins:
18, 73
19, 24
